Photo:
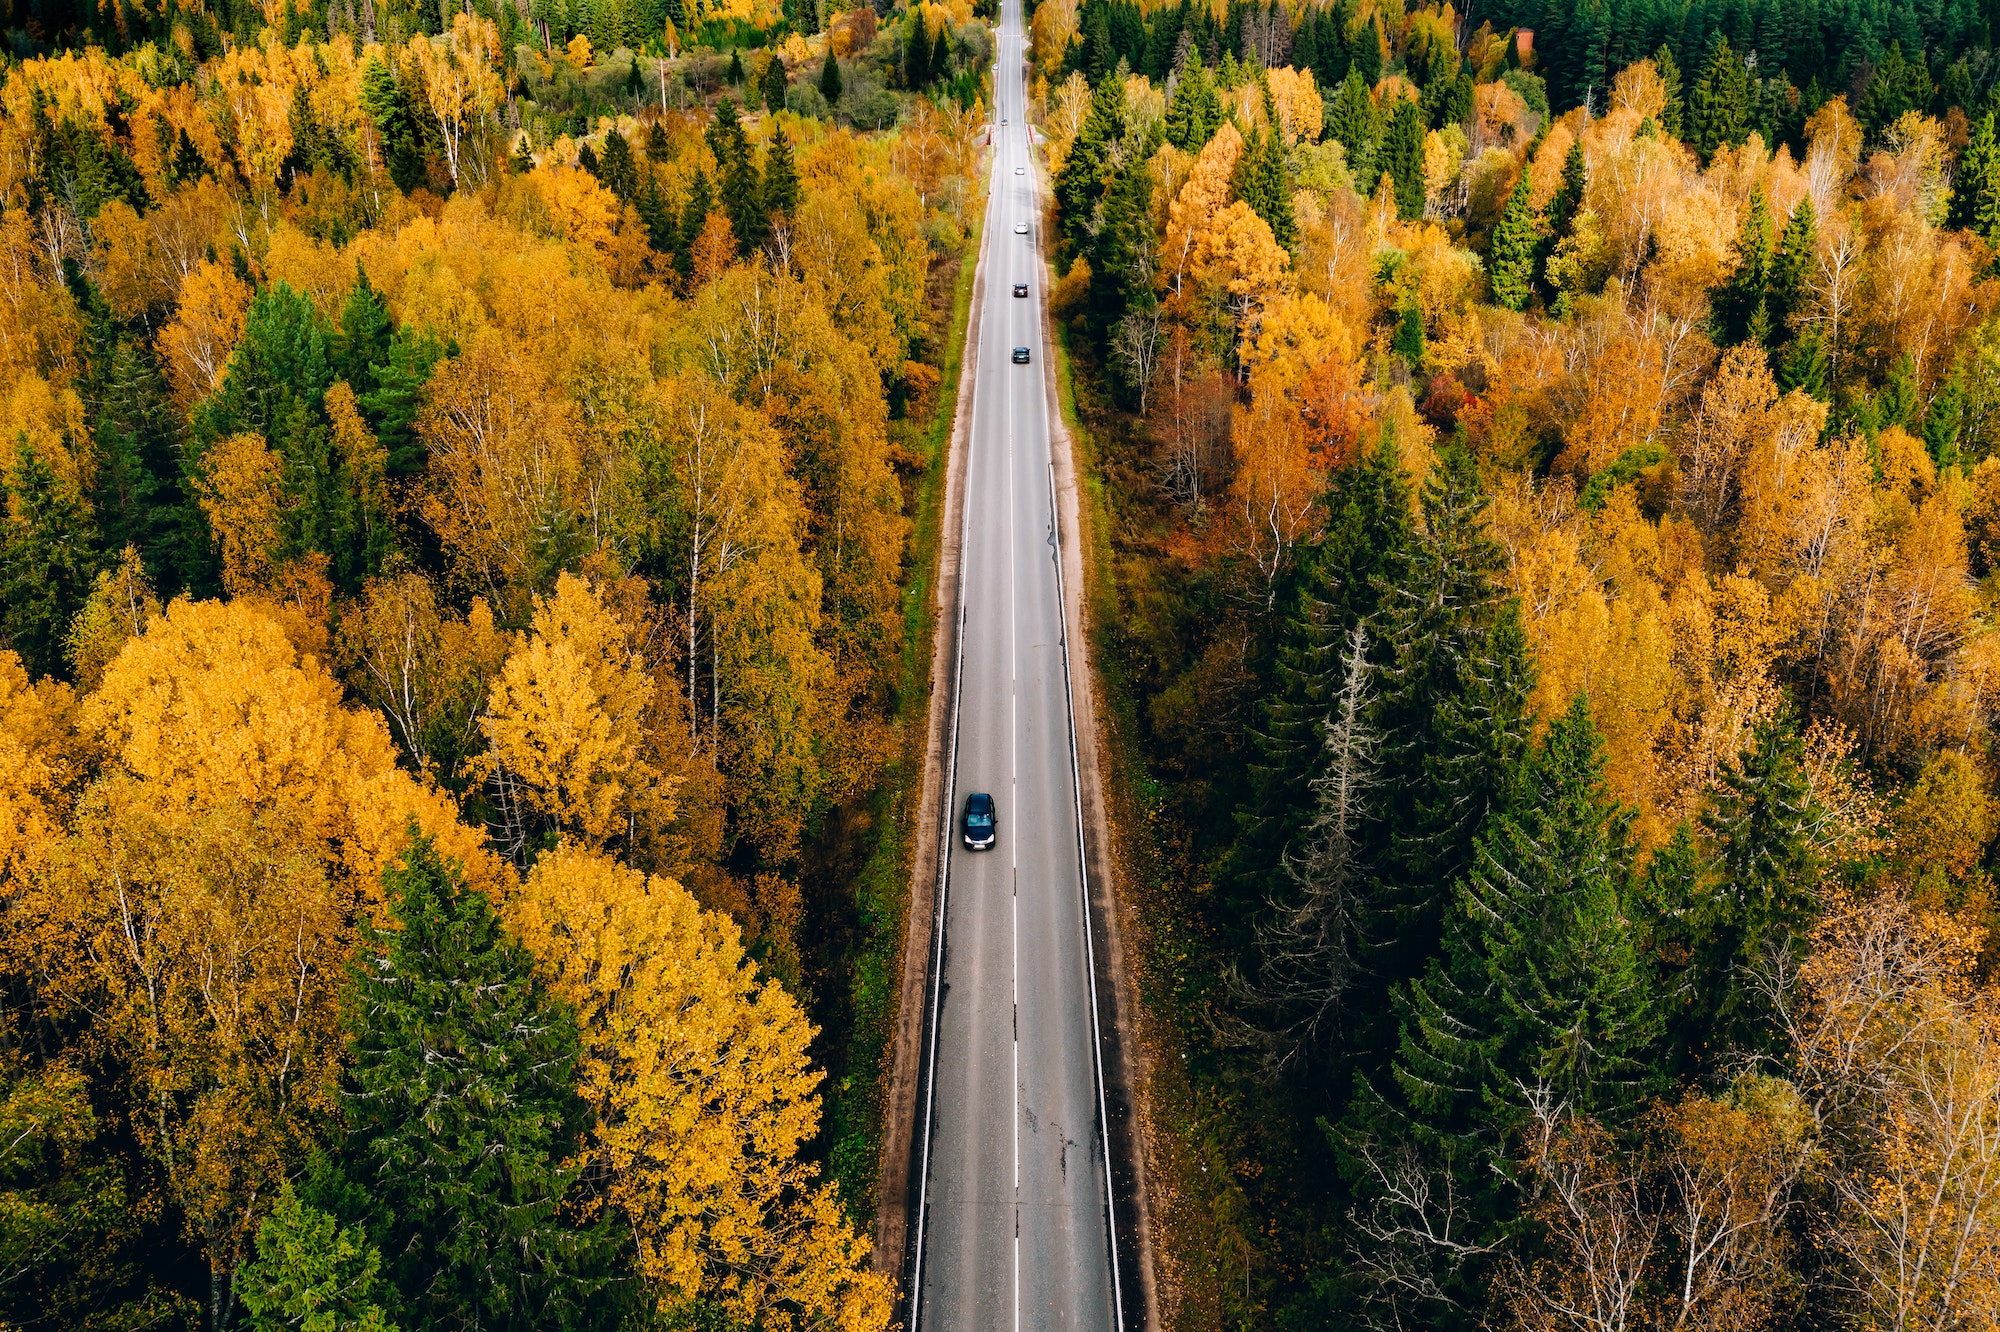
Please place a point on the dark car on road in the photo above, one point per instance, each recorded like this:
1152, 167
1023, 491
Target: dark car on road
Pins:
1020, 289
980, 821
1020, 356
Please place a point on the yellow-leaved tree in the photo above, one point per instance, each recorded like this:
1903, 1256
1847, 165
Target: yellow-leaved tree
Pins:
569, 724
197, 918
702, 1091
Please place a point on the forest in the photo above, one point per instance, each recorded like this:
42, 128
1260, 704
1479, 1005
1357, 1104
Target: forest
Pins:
1544, 517
462, 584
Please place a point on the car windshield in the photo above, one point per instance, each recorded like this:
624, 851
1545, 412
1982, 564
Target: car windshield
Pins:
979, 820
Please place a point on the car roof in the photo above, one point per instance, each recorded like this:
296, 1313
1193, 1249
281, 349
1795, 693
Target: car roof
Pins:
979, 800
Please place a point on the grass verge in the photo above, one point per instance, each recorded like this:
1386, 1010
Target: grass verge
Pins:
852, 1128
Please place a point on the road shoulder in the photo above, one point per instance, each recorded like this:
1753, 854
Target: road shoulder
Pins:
896, 1189
1122, 1054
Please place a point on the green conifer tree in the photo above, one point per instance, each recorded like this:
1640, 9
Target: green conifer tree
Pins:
1670, 79
1080, 183
1718, 109
1403, 158
781, 176
1569, 192
1946, 418
829, 78
1804, 365
47, 540
618, 171
694, 216
1511, 261
1355, 124
1195, 112
464, 1115
1791, 270
774, 82
1761, 826
313, 1273
1338, 586
1743, 305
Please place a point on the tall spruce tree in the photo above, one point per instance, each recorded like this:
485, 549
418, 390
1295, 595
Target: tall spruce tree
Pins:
781, 177
1718, 108
1670, 81
1975, 190
1511, 261
1354, 123
1403, 158
1540, 992
1761, 825
464, 1114
1081, 181
829, 78
47, 542
1337, 588
1743, 305
1791, 269
1452, 711
1195, 112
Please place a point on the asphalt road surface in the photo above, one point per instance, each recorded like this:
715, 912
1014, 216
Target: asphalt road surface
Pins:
1015, 1203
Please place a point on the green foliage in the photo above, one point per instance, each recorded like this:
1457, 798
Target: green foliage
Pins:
312, 1274
1195, 112
1762, 827
1354, 123
1403, 158
1511, 261
618, 170
47, 540
781, 176
1670, 79
1338, 587
1262, 182
1975, 193
464, 1115
1718, 107
1743, 304
389, 105
1791, 269
774, 83
1569, 192
1081, 181
829, 78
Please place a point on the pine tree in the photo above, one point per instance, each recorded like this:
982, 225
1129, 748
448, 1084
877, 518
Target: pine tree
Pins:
917, 56
586, 160
940, 61
1718, 109
658, 149
619, 172
1121, 258
312, 1272
734, 74
774, 82
829, 78
1946, 418
1805, 364
1791, 269
1742, 305
388, 105
1541, 985
1194, 113
1760, 826
392, 407
523, 159
46, 543
1975, 194
1409, 342
662, 227
694, 216
464, 1114
1081, 180
365, 331
1262, 182
1511, 261
781, 177
1403, 158
1356, 125
1452, 710
1338, 589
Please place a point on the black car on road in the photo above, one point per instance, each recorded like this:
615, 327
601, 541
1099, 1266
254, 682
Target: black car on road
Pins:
1020, 289
1020, 356
980, 821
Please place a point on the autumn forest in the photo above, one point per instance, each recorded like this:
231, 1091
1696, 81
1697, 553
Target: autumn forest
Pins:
472, 485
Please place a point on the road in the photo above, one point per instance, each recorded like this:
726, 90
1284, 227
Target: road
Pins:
1015, 1202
